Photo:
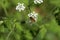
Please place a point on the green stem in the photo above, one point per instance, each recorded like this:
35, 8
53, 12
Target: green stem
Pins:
4, 9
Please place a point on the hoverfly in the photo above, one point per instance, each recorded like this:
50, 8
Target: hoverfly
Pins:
32, 19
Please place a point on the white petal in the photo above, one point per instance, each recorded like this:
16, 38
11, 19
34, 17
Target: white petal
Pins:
28, 15
1, 22
19, 10
23, 8
39, 2
16, 8
35, 2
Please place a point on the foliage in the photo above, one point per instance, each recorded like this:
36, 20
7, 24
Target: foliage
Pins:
15, 25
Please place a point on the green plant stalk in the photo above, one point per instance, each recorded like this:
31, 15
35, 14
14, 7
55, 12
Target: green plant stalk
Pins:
10, 32
6, 13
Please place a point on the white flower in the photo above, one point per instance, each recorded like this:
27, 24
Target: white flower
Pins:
38, 1
20, 7
33, 15
1, 22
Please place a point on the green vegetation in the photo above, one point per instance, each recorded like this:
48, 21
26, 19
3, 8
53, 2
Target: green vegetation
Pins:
15, 25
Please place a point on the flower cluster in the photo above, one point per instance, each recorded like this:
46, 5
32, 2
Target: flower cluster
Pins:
20, 7
38, 1
33, 15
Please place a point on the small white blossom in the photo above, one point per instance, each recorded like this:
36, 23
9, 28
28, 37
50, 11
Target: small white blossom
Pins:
33, 15
1, 22
38, 1
20, 7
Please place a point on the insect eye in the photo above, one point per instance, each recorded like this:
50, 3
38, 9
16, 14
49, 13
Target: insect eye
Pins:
32, 19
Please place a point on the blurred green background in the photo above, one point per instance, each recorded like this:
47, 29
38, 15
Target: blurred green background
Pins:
14, 25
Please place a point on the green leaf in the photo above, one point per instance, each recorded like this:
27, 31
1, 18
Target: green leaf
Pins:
20, 1
55, 2
18, 27
17, 36
5, 3
28, 35
51, 36
41, 33
53, 26
8, 24
2, 29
